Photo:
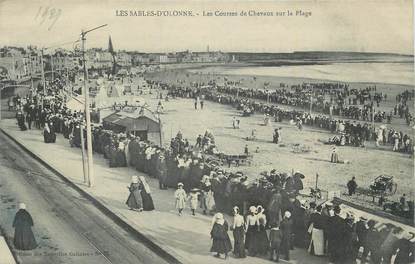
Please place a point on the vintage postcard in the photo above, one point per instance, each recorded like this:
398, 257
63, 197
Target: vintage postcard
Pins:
207, 131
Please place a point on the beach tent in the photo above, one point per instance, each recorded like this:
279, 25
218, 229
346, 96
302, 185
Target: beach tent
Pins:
143, 124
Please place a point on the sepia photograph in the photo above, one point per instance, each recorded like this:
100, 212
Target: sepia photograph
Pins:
203, 131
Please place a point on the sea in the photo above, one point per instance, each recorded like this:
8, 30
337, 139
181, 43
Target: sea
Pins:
401, 73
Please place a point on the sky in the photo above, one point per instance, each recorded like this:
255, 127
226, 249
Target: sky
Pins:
342, 25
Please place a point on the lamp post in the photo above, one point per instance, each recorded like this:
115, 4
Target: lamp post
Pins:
87, 111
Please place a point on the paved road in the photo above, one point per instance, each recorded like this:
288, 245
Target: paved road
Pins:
68, 228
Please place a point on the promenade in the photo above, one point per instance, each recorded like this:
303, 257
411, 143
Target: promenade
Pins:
185, 237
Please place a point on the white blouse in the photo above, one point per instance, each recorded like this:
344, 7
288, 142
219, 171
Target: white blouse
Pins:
238, 221
251, 220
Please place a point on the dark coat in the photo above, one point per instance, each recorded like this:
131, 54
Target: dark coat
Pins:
162, 170
134, 200
148, 204
336, 229
361, 231
274, 208
221, 241
24, 238
275, 238
404, 246
286, 228
318, 221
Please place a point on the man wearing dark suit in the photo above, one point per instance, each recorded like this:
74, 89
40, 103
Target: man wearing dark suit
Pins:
361, 231
336, 230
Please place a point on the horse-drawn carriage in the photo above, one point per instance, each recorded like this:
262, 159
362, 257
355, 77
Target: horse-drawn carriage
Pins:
242, 159
383, 185
217, 160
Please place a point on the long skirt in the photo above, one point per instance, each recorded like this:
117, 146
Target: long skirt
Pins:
239, 245
250, 239
134, 200
221, 246
148, 204
24, 238
317, 242
120, 159
334, 158
261, 241
181, 203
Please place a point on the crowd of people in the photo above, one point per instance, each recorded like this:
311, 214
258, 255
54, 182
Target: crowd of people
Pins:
47, 110
269, 216
320, 229
352, 133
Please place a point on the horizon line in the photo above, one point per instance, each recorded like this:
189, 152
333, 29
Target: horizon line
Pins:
237, 51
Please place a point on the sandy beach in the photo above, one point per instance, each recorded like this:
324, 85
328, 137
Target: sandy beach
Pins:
363, 162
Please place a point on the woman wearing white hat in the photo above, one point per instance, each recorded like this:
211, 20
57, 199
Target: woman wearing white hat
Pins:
286, 229
219, 234
24, 238
262, 242
180, 197
238, 234
251, 231
148, 204
134, 201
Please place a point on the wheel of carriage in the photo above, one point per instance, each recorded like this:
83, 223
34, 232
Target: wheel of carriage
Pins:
391, 188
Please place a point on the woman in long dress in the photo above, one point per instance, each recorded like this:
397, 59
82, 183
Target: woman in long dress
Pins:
46, 133
207, 201
120, 158
20, 120
238, 234
180, 198
261, 242
24, 238
194, 198
251, 231
148, 204
134, 201
334, 156
316, 246
219, 234
52, 133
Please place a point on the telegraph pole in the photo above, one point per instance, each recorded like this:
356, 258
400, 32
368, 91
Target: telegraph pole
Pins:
43, 73
51, 66
87, 118
31, 70
87, 111
84, 161
161, 131
1, 90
